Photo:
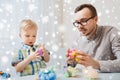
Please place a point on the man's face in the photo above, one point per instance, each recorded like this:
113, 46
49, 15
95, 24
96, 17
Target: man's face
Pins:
28, 36
86, 22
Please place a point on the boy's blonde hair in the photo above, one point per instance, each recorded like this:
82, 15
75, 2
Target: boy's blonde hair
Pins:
27, 24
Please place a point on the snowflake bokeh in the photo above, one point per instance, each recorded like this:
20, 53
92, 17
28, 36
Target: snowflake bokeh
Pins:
54, 19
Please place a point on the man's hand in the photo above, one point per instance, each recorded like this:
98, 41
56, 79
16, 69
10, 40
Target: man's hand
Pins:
87, 60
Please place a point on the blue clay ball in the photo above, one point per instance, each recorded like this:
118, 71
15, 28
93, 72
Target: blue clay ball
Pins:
52, 76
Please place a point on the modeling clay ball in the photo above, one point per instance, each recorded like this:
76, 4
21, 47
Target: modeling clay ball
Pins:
5, 75
40, 52
72, 53
71, 72
90, 72
46, 75
42, 77
40, 73
52, 76
67, 74
77, 59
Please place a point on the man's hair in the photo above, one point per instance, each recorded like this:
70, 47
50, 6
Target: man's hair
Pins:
27, 24
89, 6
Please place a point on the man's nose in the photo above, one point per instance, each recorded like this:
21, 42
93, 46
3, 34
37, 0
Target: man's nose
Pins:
80, 26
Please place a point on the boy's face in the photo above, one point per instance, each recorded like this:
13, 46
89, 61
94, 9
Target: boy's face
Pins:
28, 36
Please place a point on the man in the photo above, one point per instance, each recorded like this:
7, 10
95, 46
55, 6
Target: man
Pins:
98, 46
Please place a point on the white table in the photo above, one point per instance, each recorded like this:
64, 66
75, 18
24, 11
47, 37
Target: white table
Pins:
102, 76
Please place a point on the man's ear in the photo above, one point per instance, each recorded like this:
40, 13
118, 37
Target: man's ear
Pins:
96, 18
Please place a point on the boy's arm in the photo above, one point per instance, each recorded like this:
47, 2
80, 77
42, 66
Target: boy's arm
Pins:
21, 65
14, 63
46, 54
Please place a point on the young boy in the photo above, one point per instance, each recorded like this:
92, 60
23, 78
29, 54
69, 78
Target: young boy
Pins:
27, 60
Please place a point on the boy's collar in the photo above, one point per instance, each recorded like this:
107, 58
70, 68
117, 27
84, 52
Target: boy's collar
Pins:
27, 46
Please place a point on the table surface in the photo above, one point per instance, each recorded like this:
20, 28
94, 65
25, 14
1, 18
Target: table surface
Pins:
102, 76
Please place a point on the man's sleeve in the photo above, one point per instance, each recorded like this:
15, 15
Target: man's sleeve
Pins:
112, 65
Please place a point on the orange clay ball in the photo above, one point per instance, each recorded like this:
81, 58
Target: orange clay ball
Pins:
72, 53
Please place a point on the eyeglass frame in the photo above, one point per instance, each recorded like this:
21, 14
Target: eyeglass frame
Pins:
83, 23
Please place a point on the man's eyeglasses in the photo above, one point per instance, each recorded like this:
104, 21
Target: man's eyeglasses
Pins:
83, 22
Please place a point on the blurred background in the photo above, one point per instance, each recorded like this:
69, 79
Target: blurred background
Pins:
54, 19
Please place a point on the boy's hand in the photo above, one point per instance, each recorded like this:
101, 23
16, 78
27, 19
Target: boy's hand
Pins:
36, 54
33, 55
43, 50
45, 53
